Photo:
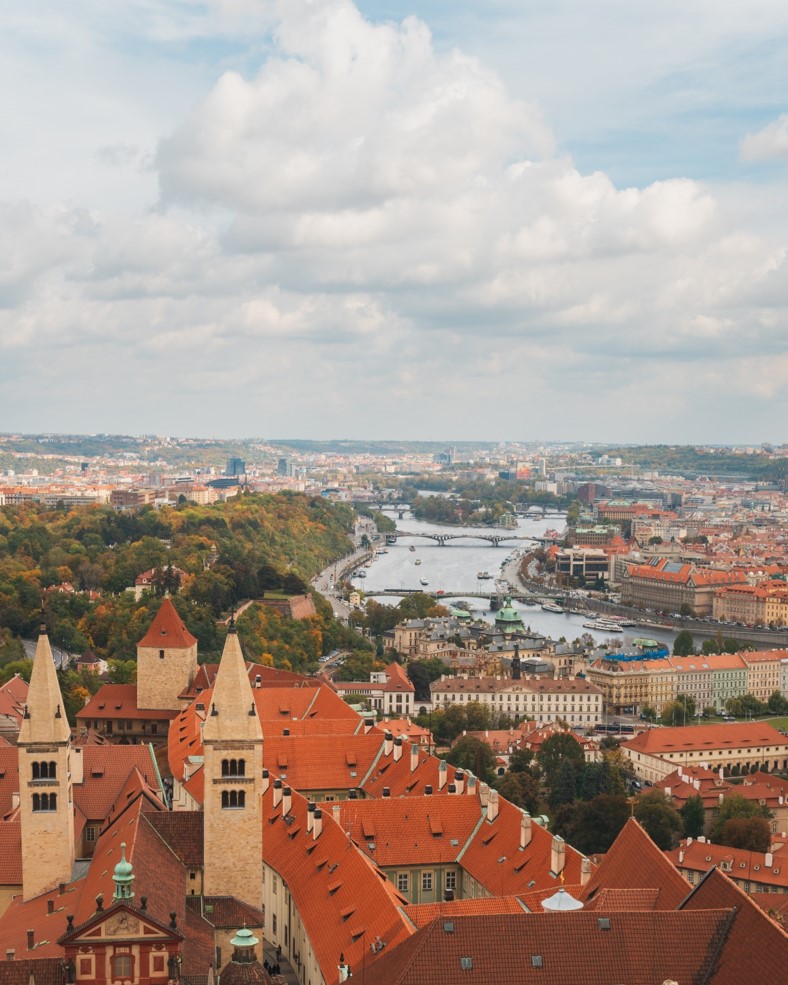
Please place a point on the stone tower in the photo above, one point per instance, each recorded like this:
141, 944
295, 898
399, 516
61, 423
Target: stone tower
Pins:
166, 661
46, 800
233, 755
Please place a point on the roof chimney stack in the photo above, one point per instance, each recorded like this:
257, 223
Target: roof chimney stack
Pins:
368, 725
398, 749
492, 805
443, 774
388, 743
428, 790
310, 817
585, 871
484, 794
266, 781
287, 800
768, 860
336, 812
472, 784
525, 831
414, 757
317, 824
277, 792
557, 855
386, 792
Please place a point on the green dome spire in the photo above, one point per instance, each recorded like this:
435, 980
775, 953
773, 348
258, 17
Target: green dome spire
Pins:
123, 876
508, 618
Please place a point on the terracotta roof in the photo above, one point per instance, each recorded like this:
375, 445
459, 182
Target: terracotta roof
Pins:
424, 913
35, 971
410, 830
10, 855
343, 900
119, 701
494, 857
756, 948
738, 863
226, 912
577, 948
627, 900
167, 630
183, 832
652, 871
9, 777
733, 735
106, 770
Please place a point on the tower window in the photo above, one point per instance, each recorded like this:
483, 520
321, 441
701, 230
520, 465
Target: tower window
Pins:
45, 771
233, 799
161, 654
44, 802
233, 767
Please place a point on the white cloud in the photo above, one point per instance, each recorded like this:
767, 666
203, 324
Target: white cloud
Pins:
370, 234
768, 144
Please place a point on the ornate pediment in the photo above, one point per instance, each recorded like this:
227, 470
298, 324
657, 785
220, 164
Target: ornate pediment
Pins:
120, 923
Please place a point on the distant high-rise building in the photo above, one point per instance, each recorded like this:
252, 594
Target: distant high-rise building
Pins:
235, 466
285, 468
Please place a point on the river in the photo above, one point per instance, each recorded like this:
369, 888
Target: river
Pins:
454, 568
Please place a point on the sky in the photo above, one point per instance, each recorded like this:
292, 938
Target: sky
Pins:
501, 219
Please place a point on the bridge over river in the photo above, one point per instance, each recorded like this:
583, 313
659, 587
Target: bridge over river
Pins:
442, 539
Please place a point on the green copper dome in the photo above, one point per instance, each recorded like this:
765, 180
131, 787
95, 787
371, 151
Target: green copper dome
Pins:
244, 938
508, 618
123, 876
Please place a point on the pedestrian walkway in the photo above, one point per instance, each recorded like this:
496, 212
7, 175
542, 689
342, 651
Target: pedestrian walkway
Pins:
286, 971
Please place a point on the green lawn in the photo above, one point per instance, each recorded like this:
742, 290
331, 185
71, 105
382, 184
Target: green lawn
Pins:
780, 722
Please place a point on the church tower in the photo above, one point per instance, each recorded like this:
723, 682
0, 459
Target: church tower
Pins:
46, 800
233, 768
166, 661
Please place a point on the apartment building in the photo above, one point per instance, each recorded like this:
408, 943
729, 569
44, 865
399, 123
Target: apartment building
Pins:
664, 585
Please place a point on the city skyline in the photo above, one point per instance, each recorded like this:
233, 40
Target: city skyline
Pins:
371, 220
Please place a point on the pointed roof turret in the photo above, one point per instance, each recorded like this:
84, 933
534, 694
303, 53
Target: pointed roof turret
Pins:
233, 713
123, 876
44, 718
167, 630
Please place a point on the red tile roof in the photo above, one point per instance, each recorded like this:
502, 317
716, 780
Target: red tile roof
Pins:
183, 832
756, 948
167, 630
9, 777
645, 948
733, 735
119, 701
10, 855
652, 870
106, 770
424, 913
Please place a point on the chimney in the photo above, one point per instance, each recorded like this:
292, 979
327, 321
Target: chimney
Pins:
668, 791
14, 800
557, 855
768, 860
258, 680
448, 895
266, 781
459, 781
388, 743
702, 839
77, 765
689, 841
525, 830
287, 799
310, 817
336, 811
681, 855
428, 790
368, 725
484, 794
398, 749
31, 940
472, 784
585, 871
492, 806
443, 774
414, 757
386, 792
277, 792
317, 824
452, 788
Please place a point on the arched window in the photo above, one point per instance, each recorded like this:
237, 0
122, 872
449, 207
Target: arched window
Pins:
36, 771
233, 767
233, 799
44, 802
121, 966
45, 771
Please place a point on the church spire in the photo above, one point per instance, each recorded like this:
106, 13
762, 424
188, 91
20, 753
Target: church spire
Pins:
233, 713
44, 718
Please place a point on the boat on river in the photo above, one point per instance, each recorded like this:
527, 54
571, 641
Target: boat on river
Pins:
411, 548
552, 607
603, 626
483, 575
417, 561
423, 581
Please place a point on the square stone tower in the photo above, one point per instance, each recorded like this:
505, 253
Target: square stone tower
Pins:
233, 768
46, 800
166, 661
